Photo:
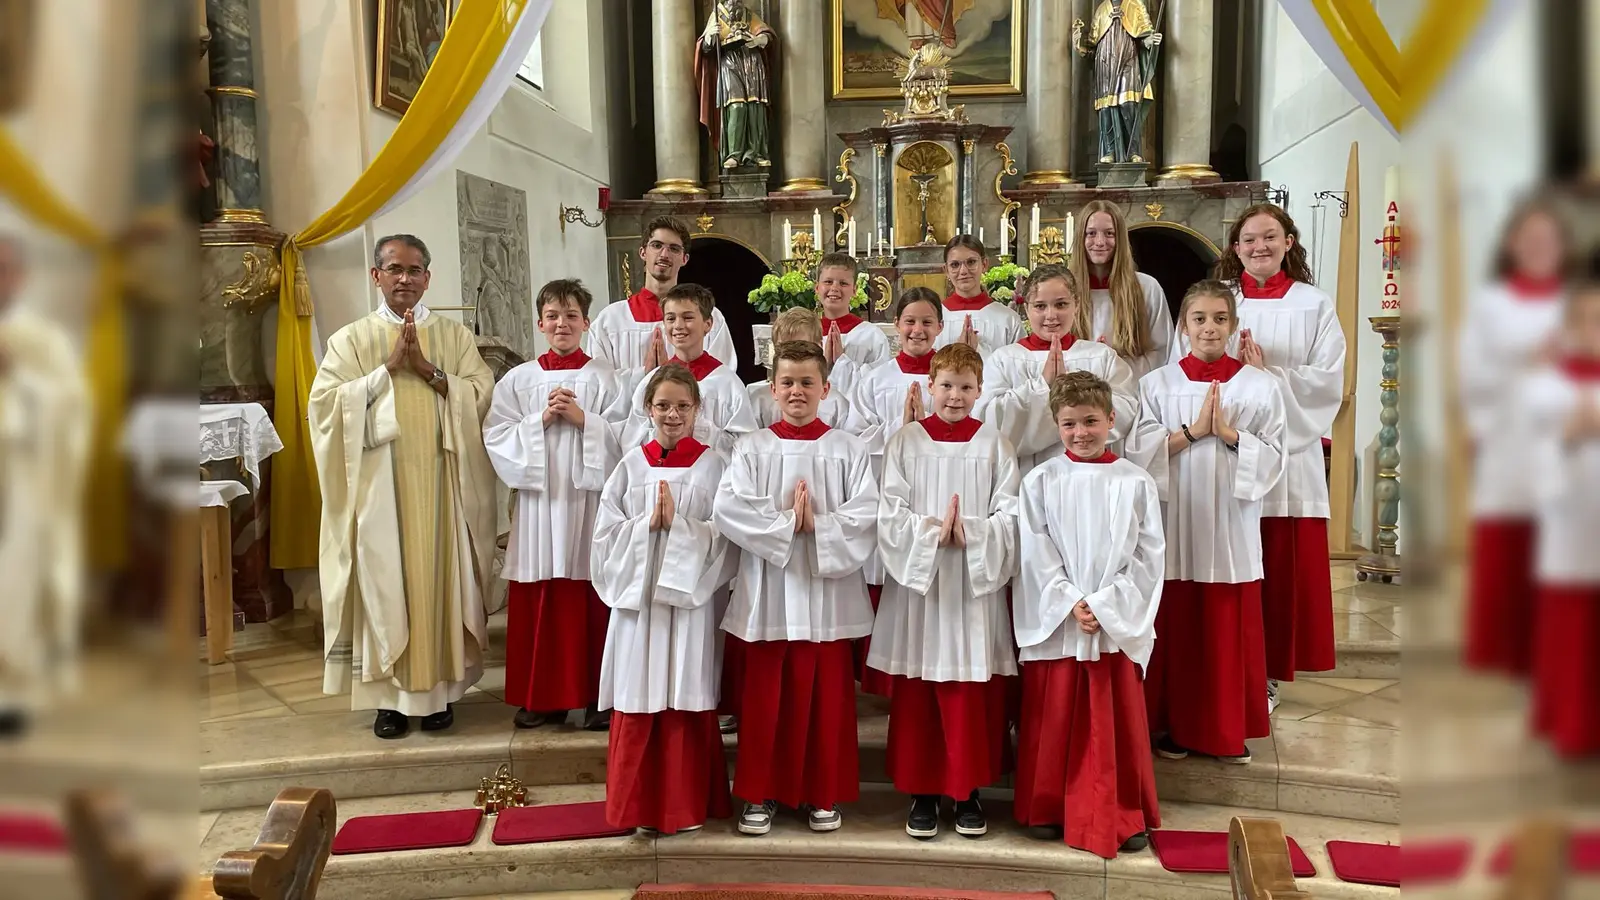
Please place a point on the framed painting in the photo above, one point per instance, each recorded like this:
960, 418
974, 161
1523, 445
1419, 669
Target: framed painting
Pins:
871, 41
16, 52
409, 35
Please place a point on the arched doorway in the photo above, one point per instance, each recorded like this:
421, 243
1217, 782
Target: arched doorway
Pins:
731, 270
1172, 254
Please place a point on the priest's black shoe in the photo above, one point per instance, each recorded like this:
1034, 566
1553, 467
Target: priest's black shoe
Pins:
970, 821
390, 724
439, 721
1136, 843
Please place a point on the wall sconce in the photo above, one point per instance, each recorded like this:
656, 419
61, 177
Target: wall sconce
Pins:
576, 213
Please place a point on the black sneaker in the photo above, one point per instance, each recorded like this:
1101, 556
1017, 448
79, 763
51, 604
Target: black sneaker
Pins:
1045, 832
389, 724
1136, 843
527, 718
1167, 748
757, 817
439, 721
969, 817
597, 719
1242, 758
922, 822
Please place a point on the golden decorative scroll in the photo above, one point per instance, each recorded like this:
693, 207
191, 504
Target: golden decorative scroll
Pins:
885, 293
260, 281
843, 209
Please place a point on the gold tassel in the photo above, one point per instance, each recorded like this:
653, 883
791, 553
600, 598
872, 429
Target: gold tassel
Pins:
302, 290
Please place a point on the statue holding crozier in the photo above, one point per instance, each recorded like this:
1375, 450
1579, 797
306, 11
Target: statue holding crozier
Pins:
731, 68
1123, 40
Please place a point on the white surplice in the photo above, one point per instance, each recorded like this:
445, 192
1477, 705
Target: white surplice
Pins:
619, 339
879, 402
865, 345
725, 414
1212, 497
557, 470
661, 646
1156, 314
1091, 532
835, 409
997, 325
1017, 399
1567, 487
943, 613
807, 586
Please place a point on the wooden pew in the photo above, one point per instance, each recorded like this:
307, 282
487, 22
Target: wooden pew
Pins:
1258, 861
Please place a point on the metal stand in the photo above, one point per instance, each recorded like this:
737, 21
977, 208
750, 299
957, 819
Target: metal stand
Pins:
1384, 564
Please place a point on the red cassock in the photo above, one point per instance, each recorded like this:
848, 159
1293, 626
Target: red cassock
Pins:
947, 737
797, 724
1083, 752
1566, 668
555, 640
732, 690
666, 770
1501, 623
872, 681
1296, 596
1207, 676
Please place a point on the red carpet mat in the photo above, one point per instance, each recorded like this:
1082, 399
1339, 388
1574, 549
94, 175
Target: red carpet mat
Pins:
26, 833
1583, 855
1206, 852
408, 831
562, 822
1360, 863
818, 892
1435, 862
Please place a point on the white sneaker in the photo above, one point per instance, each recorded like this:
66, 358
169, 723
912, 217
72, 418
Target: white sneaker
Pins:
757, 817
824, 819
1272, 696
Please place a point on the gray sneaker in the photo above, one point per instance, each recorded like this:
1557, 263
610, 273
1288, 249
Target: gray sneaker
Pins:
1272, 696
824, 819
757, 817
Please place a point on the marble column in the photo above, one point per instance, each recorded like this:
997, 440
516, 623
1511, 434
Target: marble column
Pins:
802, 38
1049, 115
1591, 44
233, 98
1190, 79
672, 39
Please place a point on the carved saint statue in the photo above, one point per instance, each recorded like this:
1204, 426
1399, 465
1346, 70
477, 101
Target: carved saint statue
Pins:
731, 68
1124, 42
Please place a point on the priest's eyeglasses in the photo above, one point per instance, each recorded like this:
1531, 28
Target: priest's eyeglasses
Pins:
658, 246
412, 272
662, 408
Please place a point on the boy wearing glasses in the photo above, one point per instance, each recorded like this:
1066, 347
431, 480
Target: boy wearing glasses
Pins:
628, 335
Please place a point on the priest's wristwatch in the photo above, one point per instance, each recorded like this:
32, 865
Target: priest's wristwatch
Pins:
437, 378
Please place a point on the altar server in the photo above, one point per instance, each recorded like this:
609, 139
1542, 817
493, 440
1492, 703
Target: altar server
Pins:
659, 560
1126, 309
799, 499
550, 443
1210, 432
1018, 376
850, 342
725, 412
888, 396
1509, 330
1093, 552
974, 318
625, 335
1563, 446
947, 534
801, 325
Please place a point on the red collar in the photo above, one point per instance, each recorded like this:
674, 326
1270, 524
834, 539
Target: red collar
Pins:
703, 365
1276, 286
1581, 368
1105, 457
1199, 370
915, 365
1096, 283
809, 432
1034, 342
958, 303
551, 361
1528, 288
948, 432
680, 457
645, 306
846, 323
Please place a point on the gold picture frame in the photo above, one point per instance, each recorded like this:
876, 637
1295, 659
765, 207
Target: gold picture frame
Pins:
17, 19
868, 54
408, 37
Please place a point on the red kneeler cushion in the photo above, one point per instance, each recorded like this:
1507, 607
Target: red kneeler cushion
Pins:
1583, 855
1206, 852
1381, 864
408, 831
26, 833
562, 822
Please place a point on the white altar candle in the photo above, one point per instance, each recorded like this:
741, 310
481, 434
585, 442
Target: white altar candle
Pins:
816, 228
980, 235
1390, 242
1005, 234
1033, 231
1068, 236
852, 236
788, 239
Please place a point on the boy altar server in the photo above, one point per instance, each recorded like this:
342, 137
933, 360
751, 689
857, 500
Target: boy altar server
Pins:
1211, 432
947, 533
725, 412
549, 442
801, 325
976, 320
1017, 395
658, 561
799, 499
1092, 564
622, 333
850, 343
889, 395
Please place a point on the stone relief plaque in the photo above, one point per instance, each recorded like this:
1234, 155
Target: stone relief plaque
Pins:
496, 274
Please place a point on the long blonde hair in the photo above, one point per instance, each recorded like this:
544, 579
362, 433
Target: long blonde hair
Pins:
1130, 324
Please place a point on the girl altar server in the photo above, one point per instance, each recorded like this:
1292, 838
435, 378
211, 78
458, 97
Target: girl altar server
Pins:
976, 319
1290, 330
1018, 377
1126, 309
1092, 551
658, 561
947, 533
1509, 330
888, 396
1210, 432
550, 443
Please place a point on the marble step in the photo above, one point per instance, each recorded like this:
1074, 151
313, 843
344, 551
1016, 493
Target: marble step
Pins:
1319, 768
871, 849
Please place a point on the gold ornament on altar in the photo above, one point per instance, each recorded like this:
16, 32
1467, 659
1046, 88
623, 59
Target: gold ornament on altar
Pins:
500, 792
1051, 247
705, 221
925, 84
803, 253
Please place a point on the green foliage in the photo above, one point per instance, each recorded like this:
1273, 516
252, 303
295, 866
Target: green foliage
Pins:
1000, 282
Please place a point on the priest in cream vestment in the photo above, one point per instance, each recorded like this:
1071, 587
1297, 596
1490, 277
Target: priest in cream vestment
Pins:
407, 502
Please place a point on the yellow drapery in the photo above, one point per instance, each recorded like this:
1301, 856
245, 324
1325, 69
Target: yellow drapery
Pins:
472, 44
105, 353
